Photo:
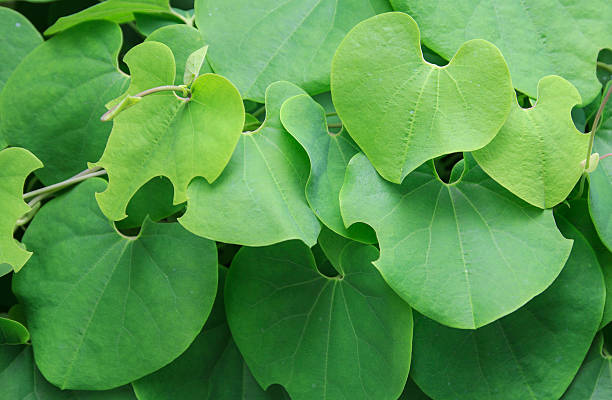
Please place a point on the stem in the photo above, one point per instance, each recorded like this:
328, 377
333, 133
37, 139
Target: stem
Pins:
331, 114
259, 111
605, 66
334, 125
596, 126
604, 156
47, 191
166, 88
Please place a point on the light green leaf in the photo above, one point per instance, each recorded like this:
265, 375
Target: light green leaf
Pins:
594, 379
541, 38
403, 111
21, 380
329, 155
463, 254
51, 104
250, 122
123, 307
183, 40
255, 43
195, 61
319, 337
600, 180
264, 183
119, 11
532, 353
538, 152
576, 213
15, 166
12, 332
168, 135
210, 369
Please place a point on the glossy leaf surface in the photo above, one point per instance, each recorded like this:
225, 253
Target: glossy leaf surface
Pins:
122, 307
403, 111
463, 254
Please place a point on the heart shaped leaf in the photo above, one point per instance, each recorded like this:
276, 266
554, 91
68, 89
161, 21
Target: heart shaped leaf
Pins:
317, 336
538, 38
402, 110
15, 166
541, 345
292, 41
463, 254
122, 307
62, 127
329, 155
167, 135
594, 379
265, 180
538, 152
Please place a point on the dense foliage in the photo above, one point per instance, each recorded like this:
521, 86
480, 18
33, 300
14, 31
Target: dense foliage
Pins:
305, 199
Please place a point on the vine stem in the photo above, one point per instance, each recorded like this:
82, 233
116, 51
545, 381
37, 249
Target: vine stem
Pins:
605, 66
166, 88
596, 126
334, 125
604, 156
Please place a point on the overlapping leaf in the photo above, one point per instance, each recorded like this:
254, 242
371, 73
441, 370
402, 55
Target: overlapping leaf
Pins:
210, 369
319, 337
167, 135
532, 353
537, 154
259, 199
12, 332
15, 166
546, 37
463, 254
403, 111
292, 40
594, 379
122, 307
329, 155
52, 102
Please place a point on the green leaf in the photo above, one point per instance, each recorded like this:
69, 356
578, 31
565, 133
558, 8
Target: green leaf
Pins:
52, 102
167, 135
183, 40
329, 155
576, 213
594, 379
210, 369
122, 307
119, 11
463, 254
319, 337
540, 38
538, 152
532, 353
413, 392
265, 180
12, 332
292, 41
600, 180
403, 111
21, 380
195, 61
15, 166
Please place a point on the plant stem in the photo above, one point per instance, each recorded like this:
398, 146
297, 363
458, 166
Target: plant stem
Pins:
604, 156
259, 111
166, 88
48, 190
331, 114
596, 126
334, 125
605, 66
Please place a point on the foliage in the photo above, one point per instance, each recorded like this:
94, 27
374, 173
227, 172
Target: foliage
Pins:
305, 200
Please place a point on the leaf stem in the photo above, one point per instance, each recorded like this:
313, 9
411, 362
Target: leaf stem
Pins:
259, 111
605, 66
334, 125
331, 114
48, 190
185, 92
595, 126
604, 156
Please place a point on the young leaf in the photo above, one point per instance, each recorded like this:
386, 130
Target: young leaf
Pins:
594, 379
329, 155
463, 254
210, 369
537, 154
168, 135
532, 353
319, 337
119, 11
540, 38
195, 61
122, 307
12, 332
21, 380
51, 103
15, 166
402, 110
183, 40
292, 41
259, 199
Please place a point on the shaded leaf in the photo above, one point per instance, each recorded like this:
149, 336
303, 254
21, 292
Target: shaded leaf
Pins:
12, 332
594, 379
